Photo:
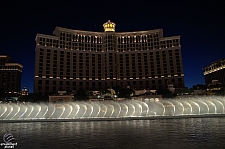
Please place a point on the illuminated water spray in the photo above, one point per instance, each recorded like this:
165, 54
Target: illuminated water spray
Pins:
113, 109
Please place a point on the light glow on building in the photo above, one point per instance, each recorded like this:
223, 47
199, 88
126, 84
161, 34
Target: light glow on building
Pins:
84, 59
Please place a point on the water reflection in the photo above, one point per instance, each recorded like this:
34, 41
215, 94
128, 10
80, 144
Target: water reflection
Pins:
163, 133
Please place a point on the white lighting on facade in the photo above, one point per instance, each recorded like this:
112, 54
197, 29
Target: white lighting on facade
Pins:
89, 43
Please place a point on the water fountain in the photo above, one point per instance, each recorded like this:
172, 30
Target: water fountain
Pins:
113, 110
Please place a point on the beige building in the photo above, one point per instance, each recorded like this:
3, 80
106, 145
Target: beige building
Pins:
10, 76
72, 59
215, 71
61, 97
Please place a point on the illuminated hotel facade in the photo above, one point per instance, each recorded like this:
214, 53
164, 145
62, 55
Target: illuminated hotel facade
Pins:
73, 59
10, 76
215, 71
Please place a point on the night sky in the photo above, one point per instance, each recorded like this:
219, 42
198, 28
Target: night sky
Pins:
200, 24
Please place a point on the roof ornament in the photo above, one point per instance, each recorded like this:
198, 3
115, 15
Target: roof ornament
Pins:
109, 26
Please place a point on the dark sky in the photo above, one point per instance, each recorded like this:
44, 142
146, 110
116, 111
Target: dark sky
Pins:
200, 24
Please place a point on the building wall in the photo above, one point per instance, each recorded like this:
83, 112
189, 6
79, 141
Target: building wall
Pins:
10, 76
215, 71
73, 59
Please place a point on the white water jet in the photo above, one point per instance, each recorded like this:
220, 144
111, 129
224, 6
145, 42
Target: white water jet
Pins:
113, 109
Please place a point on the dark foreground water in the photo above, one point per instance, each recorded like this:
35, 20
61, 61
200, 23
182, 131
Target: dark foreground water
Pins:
188, 133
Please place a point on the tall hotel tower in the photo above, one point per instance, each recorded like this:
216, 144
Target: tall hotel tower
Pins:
10, 76
74, 59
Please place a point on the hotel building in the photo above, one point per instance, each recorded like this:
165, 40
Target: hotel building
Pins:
215, 71
10, 76
72, 59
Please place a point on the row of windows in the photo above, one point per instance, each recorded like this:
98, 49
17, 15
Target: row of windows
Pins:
87, 37
47, 82
99, 47
157, 53
108, 76
87, 66
103, 70
72, 85
89, 42
91, 38
138, 57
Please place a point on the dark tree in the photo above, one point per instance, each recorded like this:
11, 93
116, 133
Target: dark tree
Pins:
117, 89
2, 93
125, 93
33, 98
81, 95
199, 86
221, 92
105, 91
165, 93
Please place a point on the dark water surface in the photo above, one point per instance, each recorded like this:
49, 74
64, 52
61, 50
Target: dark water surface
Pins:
187, 133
